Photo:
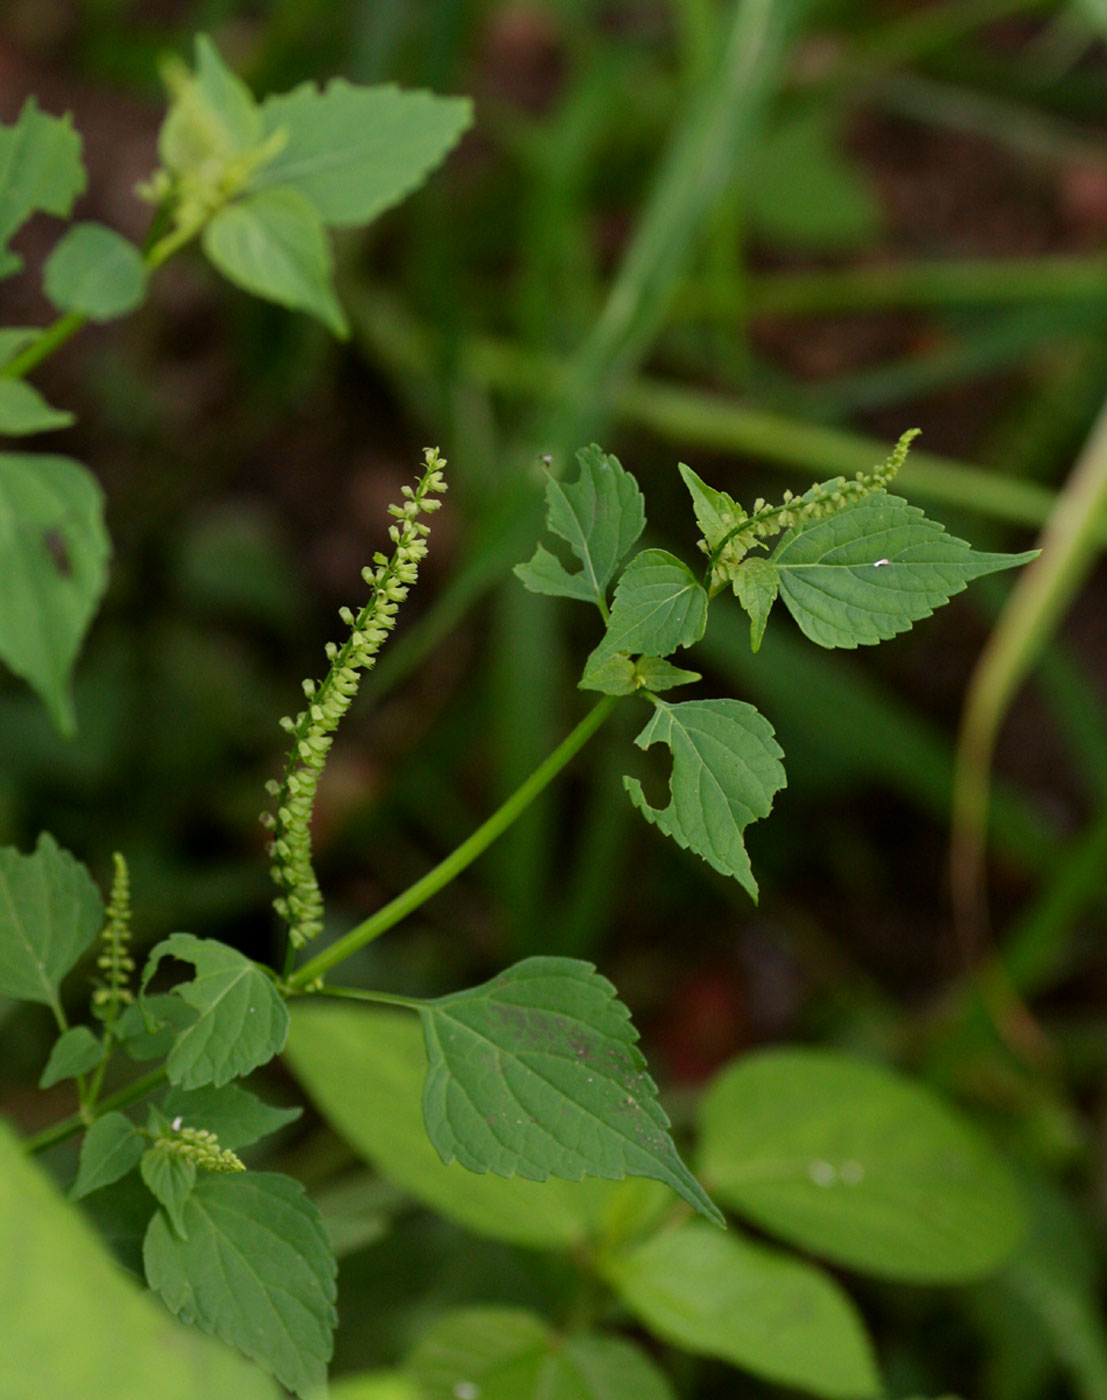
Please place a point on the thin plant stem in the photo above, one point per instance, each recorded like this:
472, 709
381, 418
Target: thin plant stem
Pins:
78, 1122
364, 994
464, 855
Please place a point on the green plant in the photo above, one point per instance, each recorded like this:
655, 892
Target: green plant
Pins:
536, 1074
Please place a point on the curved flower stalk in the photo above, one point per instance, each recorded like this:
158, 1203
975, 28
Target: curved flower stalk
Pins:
300, 903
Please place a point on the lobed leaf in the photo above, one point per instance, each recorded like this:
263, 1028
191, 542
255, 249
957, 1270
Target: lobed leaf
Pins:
274, 245
256, 1270
23, 410
50, 912
40, 171
236, 1117
356, 151
767, 1312
537, 1073
659, 606
111, 1147
726, 770
242, 1021
857, 1164
374, 1105
501, 1353
54, 554
599, 516
75, 1051
95, 272
869, 571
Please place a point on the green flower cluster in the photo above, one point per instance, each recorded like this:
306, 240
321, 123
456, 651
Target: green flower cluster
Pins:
200, 1146
300, 903
115, 961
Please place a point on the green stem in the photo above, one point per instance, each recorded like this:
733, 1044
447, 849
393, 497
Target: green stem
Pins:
448, 869
77, 1122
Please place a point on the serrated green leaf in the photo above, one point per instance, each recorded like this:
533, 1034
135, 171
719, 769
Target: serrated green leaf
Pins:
171, 1180
656, 674
50, 912
859, 1165
504, 1353
13, 339
375, 1105
242, 1023
274, 245
40, 171
716, 512
726, 770
619, 675
599, 516
537, 1073
167, 1014
212, 116
75, 1326
54, 554
75, 1051
256, 1270
756, 584
356, 151
24, 411
236, 1117
767, 1312
96, 272
866, 572
659, 606
112, 1146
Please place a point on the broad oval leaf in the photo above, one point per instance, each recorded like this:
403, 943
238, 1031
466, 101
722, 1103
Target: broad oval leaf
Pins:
40, 170
54, 554
242, 1021
869, 571
96, 272
600, 515
111, 1147
537, 1073
855, 1163
771, 1314
75, 1325
726, 770
75, 1051
256, 1270
24, 411
274, 245
375, 1104
236, 1117
356, 151
659, 606
50, 912
509, 1354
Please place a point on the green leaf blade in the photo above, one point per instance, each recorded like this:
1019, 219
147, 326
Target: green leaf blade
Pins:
50, 912
76, 1051
756, 585
726, 771
865, 573
40, 171
355, 151
54, 553
112, 1146
24, 411
256, 1270
212, 117
659, 606
242, 1021
236, 1117
273, 244
767, 1312
170, 1180
859, 1165
95, 272
545, 573
537, 1073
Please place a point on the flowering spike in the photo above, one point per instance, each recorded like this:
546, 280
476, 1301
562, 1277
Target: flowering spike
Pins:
200, 1146
115, 962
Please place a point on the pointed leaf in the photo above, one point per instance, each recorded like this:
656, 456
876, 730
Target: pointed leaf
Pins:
242, 1022
256, 1270
356, 151
726, 770
867, 572
862, 1166
767, 1312
273, 244
96, 272
375, 1105
50, 912
544, 573
236, 1117
75, 1051
538, 1073
23, 410
112, 1146
40, 170
656, 674
54, 553
212, 117
659, 606
171, 1180
716, 512
501, 1353
756, 584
